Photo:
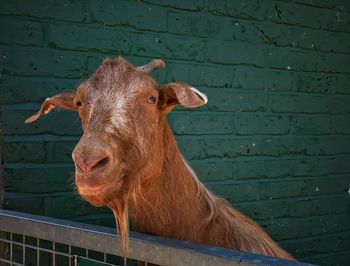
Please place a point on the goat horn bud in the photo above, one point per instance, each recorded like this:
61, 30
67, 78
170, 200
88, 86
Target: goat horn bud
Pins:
154, 64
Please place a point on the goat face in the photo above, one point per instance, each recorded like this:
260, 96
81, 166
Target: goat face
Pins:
122, 110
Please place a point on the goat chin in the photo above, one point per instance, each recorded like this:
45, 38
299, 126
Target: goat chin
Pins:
99, 196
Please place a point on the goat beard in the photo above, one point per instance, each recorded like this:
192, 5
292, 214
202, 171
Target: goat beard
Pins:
120, 211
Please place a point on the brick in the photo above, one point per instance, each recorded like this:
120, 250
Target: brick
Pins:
167, 47
181, 4
256, 124
319, 166
68, 205
212, 170
337, 4
200, 75
328, 146
40, 180
285, 189
341, 124
42, 62
294, 103
133, 14
262, 168
334, 184
250, 9
338, 165
341, 258
279, 168
15, 31
191, 148
54, 123
270, 209
244, 53
39, 150
291, 13
323, 83
24, 202
183, 123
309, 39
33, 89
318, 245
319, 206
236, 101
247, 77
307, 187
99, 219
312, 124
236, 192
294, 228
267, 209
57, 9
60, 151
79, 37
23, 151
204, 25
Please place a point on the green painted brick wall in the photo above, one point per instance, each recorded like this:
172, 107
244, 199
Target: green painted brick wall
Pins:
274, 139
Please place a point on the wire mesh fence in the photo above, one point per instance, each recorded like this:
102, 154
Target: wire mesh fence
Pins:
25, 250
35, 240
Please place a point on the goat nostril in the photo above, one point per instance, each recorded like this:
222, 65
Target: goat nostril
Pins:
100, 164
79, 168
86, 165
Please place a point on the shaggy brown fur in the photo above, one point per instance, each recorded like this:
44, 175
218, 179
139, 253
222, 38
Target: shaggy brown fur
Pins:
128, 160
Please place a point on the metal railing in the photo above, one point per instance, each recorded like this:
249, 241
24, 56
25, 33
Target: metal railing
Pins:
27, 239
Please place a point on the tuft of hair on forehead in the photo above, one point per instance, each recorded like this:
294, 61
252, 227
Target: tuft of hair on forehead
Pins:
112, 70
119, 64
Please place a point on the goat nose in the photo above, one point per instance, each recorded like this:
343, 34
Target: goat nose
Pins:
96, 162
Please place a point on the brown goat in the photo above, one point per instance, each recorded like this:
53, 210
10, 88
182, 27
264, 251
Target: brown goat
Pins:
128, 159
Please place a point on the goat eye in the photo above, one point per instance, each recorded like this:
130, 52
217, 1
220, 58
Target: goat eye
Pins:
152, 99
78, 103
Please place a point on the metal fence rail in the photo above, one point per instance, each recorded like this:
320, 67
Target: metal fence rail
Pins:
36, 240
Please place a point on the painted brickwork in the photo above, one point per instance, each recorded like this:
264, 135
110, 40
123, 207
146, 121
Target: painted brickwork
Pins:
274, 139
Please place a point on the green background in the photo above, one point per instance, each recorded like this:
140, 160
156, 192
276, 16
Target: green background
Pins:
274, 139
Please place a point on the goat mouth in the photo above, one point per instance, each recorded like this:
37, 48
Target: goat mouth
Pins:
96, 195
87, 189
101, 187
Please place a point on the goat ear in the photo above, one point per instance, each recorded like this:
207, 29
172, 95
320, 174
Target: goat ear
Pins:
63, 100
181, 94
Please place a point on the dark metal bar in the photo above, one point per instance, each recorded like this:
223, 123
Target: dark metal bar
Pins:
152, 249
11, 247
70, 254
38, 252
23, 250
53, 253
